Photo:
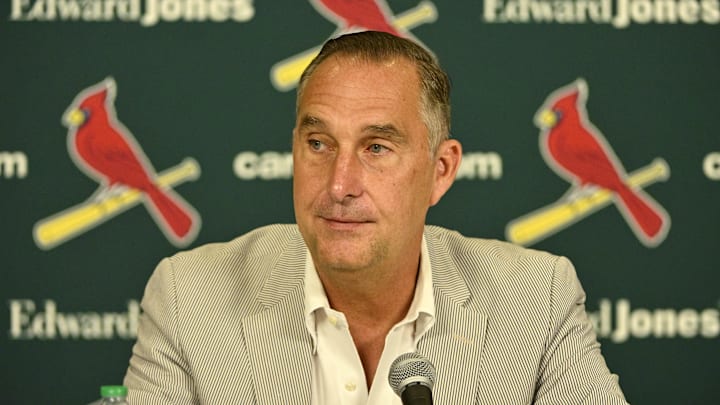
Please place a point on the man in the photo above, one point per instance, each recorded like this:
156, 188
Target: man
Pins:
316, 313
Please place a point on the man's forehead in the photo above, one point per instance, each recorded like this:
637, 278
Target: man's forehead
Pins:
339, 63
398, 75
342, 76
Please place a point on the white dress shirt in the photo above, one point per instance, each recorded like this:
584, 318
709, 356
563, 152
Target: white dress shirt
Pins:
337, 373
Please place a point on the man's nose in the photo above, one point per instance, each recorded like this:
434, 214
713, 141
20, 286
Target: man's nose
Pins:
346, 177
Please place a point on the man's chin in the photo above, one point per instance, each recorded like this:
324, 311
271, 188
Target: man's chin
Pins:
346, 255
345, 250
352, 261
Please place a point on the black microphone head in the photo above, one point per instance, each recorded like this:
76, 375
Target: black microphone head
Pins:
409, 369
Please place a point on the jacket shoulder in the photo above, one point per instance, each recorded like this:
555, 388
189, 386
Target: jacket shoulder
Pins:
238, 268
266, 240
497, 270
491, 254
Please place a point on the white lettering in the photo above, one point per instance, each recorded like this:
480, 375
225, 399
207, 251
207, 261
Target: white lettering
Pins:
688, 323
622, 18
480, 165
243, 10
710, 323
641, 11
266, 166
69, 10
490, 10
218, 10
129, 10
17, 10
19, 318
642, 323
13, 164
50, 324
41, 12
711, 166
170, 10
153, 12
619, 13
92, 11
665, 325
196, 10
688, 11
605, 318
710, 11
622, 311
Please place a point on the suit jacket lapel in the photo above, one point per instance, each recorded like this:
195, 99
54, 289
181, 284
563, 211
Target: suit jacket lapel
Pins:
278, 343
454, 344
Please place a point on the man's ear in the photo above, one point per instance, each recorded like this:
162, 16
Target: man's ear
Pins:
447, 162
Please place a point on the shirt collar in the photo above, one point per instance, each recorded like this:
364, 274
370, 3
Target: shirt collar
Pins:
421, 311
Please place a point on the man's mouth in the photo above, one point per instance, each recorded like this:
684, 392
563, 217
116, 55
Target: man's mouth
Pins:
343, 223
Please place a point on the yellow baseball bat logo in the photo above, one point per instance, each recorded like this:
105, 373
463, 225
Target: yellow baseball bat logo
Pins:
52, 231
542, 223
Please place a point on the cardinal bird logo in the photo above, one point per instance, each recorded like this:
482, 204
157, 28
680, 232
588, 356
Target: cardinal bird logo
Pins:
359, 15
352, 16
577, 151
107, 152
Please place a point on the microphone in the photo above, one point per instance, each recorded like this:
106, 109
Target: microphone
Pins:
412, 377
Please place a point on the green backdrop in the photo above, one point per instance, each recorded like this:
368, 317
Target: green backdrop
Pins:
193, 85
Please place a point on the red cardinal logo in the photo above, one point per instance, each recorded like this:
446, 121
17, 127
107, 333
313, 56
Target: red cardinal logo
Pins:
578, 152
352, 16
358, 15
106, 151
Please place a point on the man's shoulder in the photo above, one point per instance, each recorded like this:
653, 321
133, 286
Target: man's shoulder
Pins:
247, 259
457, 244
267, 240
485, 262
502, 278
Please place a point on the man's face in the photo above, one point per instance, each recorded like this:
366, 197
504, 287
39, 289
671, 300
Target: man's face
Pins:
363, 173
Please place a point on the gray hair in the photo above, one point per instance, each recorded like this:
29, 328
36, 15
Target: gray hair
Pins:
376, 46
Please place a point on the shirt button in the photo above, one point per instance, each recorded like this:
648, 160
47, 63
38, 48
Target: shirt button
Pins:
333, 320
350, 387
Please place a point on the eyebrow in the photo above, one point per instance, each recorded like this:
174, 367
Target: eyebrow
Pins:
310, 121
387, 131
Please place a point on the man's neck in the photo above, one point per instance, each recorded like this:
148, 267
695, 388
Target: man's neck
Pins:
373, 301
382, 295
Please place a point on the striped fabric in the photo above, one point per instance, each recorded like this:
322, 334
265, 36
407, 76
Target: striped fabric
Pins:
223, 324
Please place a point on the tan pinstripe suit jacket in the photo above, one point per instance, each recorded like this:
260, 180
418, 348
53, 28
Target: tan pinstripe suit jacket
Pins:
223, 324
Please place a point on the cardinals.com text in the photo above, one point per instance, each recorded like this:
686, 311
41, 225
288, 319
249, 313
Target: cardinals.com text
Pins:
13, 165
619, 13
711, 166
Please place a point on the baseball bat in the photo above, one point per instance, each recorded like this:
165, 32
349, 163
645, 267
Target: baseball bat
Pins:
54, 230
285, 74
551, 218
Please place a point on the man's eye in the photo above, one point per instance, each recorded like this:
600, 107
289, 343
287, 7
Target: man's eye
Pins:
315, 144
376, 148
